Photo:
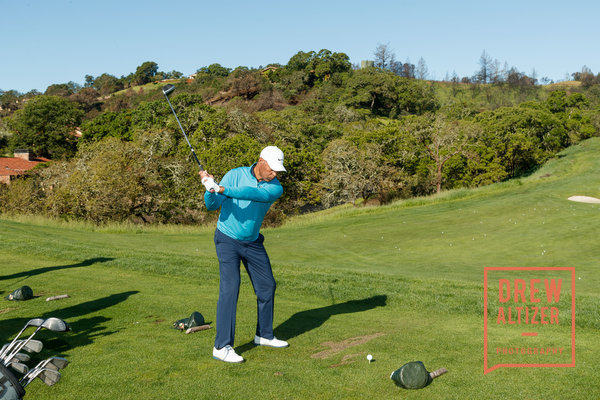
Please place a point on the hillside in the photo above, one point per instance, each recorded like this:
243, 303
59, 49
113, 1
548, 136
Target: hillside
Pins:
359, 136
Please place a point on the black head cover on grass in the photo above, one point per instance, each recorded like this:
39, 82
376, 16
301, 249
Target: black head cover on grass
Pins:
414, 375
22, 293
196, 319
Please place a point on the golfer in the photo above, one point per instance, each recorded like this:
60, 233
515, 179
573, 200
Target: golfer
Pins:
245, 195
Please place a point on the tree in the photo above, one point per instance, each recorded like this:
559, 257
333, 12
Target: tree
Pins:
245, 83
216, 70
485, 68
87, 98
408, 70
519, 80
443, 139
325, 63
373, 89
415, 97
421, 71
89, 81
231, 152
352, 172
115, 124
522, 137
383, 56
299, 61
172, 75
62, 89
9, 100
107, 84
46, 125
317, 66
586, 77
109, 182
145, 72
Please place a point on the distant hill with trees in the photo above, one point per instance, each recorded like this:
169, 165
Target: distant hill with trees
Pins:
350, 134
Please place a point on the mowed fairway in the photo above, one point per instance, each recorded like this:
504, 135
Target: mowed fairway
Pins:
402, 282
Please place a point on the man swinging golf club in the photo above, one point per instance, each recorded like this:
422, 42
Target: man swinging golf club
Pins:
245, 195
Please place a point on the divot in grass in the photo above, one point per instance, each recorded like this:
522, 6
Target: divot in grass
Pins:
347, 359
337, 347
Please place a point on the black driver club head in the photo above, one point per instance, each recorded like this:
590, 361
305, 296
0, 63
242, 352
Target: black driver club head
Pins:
168, 89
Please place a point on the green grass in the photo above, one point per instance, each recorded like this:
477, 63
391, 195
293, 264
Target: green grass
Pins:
409, 275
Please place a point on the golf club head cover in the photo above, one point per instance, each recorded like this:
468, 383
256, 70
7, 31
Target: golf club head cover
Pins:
210, 184
22, 293
196, 319
412, 375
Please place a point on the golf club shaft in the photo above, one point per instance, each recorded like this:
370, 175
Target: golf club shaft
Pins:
438, 372
52, 323
22, 344
8, 349
184, 135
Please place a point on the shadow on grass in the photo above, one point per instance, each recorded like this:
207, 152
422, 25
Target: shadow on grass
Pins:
84, 330
304, 321
39, 271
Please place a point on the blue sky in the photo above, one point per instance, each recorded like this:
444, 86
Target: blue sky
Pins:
57, 41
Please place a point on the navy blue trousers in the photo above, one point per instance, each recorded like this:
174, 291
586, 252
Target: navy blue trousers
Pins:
256, 261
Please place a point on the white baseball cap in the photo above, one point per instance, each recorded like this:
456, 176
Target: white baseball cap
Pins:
274, 157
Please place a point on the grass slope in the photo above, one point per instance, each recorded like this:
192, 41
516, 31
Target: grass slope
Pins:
402, 282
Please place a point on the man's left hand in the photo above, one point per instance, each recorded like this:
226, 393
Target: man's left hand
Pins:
210, 185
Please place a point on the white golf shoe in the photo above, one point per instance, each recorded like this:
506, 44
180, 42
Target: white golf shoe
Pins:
260, 341
227, 354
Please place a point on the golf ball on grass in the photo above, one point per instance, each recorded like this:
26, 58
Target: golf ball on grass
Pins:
369, 357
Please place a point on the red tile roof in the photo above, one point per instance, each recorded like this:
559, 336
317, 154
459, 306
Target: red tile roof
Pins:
18, 166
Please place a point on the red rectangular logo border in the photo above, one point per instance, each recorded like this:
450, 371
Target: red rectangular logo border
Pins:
487, 370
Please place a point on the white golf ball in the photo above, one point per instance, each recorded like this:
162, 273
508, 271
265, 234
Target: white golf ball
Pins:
369, 357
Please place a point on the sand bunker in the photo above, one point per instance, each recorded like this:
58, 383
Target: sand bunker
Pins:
584, 199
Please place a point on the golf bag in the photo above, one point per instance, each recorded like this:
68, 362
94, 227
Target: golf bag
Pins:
10, 388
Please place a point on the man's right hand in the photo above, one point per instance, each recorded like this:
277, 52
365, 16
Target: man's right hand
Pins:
203, 174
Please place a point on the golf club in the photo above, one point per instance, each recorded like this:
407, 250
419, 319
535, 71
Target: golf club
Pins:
20, 357
34, 346
55, 363
48, 376
32, 322
33, 370
19, 367
52, 363
52, 324
168, 89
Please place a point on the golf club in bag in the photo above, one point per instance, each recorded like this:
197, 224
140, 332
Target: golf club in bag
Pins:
167, 90
12, 388
32, 322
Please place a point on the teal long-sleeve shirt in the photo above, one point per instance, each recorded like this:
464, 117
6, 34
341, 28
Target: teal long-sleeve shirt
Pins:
244, 203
